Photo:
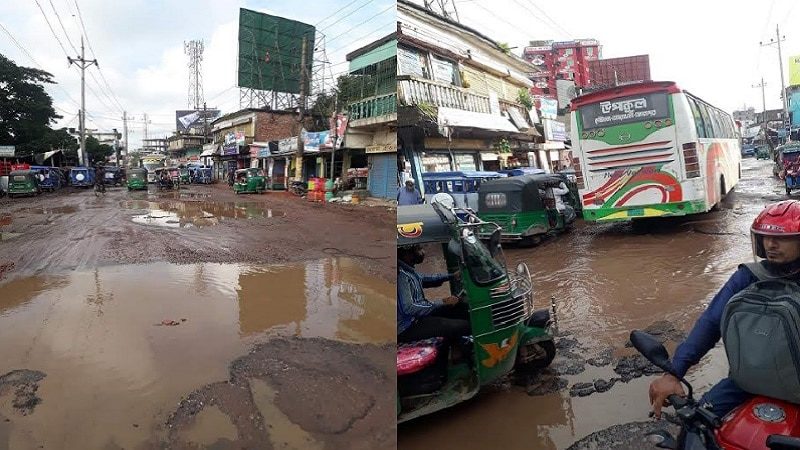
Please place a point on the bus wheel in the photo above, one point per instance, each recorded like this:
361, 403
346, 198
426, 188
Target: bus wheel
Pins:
722, 188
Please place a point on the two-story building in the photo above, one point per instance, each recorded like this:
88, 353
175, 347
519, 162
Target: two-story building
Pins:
460, 97
371, 137
249, 138
184, 147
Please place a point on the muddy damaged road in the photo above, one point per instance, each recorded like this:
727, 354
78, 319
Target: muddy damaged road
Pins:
72, 229
195, 319
608, 280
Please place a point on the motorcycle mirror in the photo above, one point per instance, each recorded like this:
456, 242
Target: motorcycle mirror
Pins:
662, 439
650, 348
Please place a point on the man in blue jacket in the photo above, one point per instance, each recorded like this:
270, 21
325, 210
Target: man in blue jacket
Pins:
417, 317
776, 237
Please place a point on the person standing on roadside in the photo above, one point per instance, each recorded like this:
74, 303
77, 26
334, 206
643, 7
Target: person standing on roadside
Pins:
409, 194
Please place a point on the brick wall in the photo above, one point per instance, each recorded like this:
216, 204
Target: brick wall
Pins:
275, 126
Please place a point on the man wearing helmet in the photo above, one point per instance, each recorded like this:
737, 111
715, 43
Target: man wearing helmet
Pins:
775, 235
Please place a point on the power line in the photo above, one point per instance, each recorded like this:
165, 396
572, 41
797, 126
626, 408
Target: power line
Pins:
89, 43
380, 29
564, 30
334, 13
62, 27
345, 16
51, 28
360, 24
28, 54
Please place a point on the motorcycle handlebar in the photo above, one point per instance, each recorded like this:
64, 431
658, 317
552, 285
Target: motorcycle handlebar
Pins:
677, 401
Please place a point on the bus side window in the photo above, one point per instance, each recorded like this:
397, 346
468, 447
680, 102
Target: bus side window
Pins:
698, 119
706, 120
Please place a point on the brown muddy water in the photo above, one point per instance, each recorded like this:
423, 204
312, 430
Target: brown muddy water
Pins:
119, 346
608, 280
184, 214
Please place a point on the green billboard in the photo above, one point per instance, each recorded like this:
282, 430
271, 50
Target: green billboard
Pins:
270, 50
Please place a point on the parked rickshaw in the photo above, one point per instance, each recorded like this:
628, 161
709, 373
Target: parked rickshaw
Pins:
507, 333
525, 207
185, 176
163, 179
175, 176
113, 176
462, 186
789, 160
137, 179
49, 177
23, 182
762, 152
81, 176
203, 175
250, 180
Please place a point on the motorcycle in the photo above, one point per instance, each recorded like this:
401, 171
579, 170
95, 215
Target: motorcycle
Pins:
760, 423
298, 188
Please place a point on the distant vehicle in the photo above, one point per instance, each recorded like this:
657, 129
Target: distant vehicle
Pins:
461, 185
81, 176
250, 180
23, 182
49, 177
649, 150
151, 163
137, 179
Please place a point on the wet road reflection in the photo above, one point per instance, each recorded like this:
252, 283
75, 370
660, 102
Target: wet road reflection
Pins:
120, 345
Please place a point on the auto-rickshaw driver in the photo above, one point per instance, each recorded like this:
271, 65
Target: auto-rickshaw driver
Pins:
419, 318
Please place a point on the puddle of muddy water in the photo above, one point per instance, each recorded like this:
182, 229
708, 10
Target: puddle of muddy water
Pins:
114, 370
69, 209
608, 280
185, 214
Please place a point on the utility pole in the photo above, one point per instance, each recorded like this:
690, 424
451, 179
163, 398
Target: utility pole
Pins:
125, 131
763, 103
777, 41
145, 126
205, 124
301, 110
83, 64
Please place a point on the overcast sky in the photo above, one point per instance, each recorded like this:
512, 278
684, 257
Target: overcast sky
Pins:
710, 47
139, 44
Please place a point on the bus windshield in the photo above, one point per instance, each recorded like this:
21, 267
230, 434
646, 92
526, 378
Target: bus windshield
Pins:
624, 110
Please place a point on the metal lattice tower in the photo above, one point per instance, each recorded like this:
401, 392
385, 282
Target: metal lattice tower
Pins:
194, 50
444, 8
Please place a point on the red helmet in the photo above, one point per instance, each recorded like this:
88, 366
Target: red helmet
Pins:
777, 219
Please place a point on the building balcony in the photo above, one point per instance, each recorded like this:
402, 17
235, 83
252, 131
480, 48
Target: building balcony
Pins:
377, 110
413, 91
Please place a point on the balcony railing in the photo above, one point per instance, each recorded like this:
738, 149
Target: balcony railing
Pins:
373, 107
415, 91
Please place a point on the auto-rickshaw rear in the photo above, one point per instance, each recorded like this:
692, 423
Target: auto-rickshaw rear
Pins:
506, 332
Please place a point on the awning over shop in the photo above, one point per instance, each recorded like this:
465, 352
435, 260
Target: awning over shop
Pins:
450, 117
208, 152
47, 155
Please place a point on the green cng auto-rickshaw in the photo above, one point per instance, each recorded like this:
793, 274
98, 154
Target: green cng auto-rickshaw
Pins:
23, 182
137, 179
185, 176
250, 180
507, 333
526, 207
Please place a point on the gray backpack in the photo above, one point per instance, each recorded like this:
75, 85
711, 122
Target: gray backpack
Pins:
761, 332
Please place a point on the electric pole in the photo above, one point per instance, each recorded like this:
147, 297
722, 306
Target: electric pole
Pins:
301, 110
83, 64
125, 131
763, 101
777, 41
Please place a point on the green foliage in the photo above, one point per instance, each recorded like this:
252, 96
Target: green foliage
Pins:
504, 47
502, 146
26, 110
524, 98
97, 151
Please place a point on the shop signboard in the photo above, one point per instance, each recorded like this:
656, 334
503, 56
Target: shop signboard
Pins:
555, 131
314, 141
7, 151
287, 146
548, 107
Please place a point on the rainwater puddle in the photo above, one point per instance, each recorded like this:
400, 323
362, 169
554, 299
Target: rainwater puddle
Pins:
55, 210
121, 345
185, 214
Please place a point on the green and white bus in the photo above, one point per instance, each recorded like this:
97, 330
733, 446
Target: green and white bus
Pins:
650, 150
